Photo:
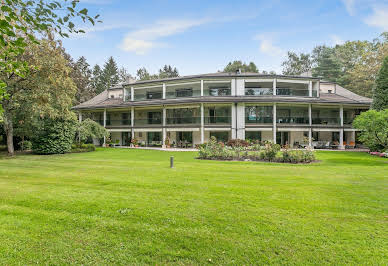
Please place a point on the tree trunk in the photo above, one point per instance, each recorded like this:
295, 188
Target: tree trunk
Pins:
8, 128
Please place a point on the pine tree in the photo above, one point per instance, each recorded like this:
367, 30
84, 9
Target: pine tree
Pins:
110, 76
380, 96
82, 77
168, 72
328, 66
97, 82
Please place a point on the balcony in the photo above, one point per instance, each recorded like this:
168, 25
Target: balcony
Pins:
99, 121
120, 122
258, 91
215, 120
291, 92
148, 121
182, 120
326, 121
258, 120
292, 120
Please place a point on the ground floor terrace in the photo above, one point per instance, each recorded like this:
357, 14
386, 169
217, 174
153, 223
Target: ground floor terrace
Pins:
184, 126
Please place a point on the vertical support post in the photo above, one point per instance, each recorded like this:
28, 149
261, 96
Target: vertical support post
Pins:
310, 126
80, 117
104, 125
132, 94
310, 88
274, 122
341, 146
164, 91
234, 124
172, 162
164, 135
132, 122
202, 124
201, 87
124, 94
274, 86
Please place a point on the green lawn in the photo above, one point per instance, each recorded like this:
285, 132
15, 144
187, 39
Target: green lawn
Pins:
127, 206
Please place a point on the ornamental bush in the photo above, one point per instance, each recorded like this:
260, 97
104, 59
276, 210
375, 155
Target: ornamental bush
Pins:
270, 151
53, 136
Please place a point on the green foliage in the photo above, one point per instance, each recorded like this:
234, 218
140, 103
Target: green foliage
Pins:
166, 72
298, 156
25, 145
21, 21
110, 75
297, 64
374, 129
328, 65
53, 136
89, 129
75, 148
380, 97
239, 65
270, 151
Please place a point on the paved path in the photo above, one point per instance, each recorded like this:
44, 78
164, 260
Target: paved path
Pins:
157, 148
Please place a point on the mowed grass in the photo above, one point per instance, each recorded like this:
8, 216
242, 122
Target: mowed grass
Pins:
121, 206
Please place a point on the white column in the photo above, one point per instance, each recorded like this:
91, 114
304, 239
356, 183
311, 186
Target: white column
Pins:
124, 94
80, 117
274, 122
274, 86
341, 146
164, 135
104, 125
132, 93
233, 87
132, 122
240, 115
201, 87
310, 125
234, 126
202, 124
310, 88
164, 90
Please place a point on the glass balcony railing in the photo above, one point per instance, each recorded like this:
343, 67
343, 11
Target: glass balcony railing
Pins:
217, 120
291, 92
292, 120
258, 91
182, 94
121, 122
148, 121
258, 120
348, 120
147, 96
183, 120
99, 121
326, 120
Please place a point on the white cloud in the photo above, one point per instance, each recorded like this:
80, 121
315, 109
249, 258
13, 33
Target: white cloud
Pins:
142, 40
350, 6
335, 39
379, 18
267, 46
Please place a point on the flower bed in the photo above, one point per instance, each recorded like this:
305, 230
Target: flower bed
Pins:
380, 154
241, 150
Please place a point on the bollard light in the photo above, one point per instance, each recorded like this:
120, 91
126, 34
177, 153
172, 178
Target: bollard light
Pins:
172, 162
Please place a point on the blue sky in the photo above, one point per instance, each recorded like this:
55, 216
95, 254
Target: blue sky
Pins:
203, 36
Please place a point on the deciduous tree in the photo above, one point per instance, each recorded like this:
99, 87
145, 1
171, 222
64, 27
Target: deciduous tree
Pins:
239, 65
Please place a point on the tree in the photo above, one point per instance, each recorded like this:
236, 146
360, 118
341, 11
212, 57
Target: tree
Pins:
239, 65
328, 66
124, 76
374, 129
96, 81
89, 129
46, 91
82, 77
380, 97
297, 64
168, 72
21, 21
110, 76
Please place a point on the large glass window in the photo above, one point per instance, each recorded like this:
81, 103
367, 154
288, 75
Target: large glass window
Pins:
258, 88
350, 114
325, 115
258, 114
292, 89
154, 138
183, 116
222, 136
253, 135
148, 93
217, 114
184, 90
217, 89
292, 115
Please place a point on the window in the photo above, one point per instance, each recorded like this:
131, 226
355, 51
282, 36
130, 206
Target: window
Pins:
154, 138
258, 114
219, 91
125, 119
184, 92
253, 135
108, 119
112, 96
154, 95
220, 135
335, 136
154, 118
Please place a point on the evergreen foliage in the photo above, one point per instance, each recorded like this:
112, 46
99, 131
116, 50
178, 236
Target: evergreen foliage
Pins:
380, 97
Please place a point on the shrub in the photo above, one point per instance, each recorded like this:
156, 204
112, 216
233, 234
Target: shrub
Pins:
25, 145
298, 156
237, 143
53, 136
270, 151
82, 147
